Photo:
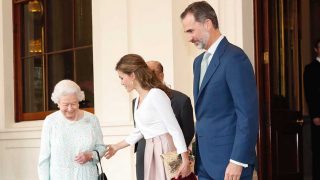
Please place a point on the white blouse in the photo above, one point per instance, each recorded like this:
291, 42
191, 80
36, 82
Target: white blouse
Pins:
155, 117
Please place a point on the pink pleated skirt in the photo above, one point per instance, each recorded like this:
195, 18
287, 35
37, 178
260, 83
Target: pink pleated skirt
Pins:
153, 164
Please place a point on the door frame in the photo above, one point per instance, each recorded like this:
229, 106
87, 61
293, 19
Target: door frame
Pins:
262, 47
262, 71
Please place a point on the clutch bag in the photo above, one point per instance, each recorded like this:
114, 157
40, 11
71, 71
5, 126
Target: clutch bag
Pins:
172, 162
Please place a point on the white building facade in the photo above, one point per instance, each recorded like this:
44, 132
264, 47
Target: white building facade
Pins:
150, 28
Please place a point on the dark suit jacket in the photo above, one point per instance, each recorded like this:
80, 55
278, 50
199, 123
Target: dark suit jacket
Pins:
182, 108
226, 108
312, 92
312, 87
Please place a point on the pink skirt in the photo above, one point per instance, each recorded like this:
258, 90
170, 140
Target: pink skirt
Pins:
153, 165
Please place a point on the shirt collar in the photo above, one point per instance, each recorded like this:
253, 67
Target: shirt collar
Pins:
318, 59
212, 49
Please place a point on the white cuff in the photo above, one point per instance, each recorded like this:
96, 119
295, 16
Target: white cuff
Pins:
239, 163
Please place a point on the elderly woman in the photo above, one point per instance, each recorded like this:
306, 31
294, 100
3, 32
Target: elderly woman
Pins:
69, 138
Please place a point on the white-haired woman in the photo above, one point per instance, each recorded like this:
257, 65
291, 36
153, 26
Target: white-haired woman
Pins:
69, 138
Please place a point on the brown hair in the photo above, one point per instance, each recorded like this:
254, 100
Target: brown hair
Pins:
133, 63
201, 11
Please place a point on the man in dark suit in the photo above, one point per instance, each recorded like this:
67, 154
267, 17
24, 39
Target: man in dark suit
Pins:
225, 100
182, 108
312, 93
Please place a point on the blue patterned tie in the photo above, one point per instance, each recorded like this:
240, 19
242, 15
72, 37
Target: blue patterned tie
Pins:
204, 66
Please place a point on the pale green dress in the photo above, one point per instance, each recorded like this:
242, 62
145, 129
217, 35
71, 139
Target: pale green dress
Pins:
62, 140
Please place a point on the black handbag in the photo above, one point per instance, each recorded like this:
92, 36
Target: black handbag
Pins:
102, 175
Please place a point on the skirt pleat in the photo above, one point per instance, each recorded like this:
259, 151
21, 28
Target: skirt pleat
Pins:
153, 164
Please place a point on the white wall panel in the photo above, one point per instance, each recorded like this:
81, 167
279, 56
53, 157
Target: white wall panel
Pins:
150, 32
1, 69
20, 159
110, 42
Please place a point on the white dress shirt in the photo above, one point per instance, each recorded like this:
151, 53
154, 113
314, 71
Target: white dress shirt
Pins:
318, 59
212, 49
155, 117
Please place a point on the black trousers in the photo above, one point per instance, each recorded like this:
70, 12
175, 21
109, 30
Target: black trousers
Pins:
140, 146
315, 140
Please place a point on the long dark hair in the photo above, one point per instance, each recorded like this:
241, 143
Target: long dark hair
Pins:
133, 63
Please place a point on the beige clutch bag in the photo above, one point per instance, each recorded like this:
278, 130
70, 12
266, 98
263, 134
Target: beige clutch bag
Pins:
172, 162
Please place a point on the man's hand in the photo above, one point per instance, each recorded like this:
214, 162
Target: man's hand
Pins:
316, 121
233, 172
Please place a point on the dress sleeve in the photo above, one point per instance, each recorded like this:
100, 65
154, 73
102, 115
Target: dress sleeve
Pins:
134, 136
45, 151
99, 145
162, 104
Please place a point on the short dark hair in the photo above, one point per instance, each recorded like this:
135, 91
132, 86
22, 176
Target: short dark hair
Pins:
201, 11
158, 66
317, 43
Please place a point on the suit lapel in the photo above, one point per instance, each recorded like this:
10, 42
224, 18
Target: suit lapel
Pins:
214, 64
197, 64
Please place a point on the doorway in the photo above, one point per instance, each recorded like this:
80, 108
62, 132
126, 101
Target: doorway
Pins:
283, 46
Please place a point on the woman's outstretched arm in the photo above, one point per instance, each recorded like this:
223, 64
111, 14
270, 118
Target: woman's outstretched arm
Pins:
113, 148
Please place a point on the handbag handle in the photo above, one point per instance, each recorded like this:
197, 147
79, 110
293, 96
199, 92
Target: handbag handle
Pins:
99, 162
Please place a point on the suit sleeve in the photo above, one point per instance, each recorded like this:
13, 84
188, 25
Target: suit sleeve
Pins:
133, 104
241, 82
312, 96
187, 121
134, 122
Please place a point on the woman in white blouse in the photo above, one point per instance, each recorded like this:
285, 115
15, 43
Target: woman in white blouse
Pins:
69, 138
154, 118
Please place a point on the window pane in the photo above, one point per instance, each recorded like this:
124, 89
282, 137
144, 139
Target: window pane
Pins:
52, 41
59, 25
33, 89
84, 75
32, 26
83, 24
60, 66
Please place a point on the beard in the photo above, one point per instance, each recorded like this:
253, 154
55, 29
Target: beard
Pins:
203, 41
200, 45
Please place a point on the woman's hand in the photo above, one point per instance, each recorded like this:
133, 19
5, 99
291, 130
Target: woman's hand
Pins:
184, 169
111, 150
83, 157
